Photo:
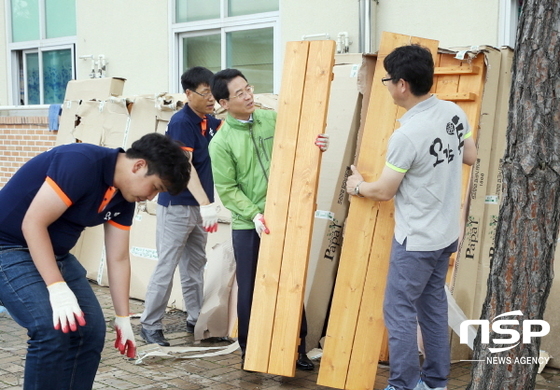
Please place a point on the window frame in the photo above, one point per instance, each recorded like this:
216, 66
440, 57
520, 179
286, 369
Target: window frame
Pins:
223, 26
39, 45
508, 22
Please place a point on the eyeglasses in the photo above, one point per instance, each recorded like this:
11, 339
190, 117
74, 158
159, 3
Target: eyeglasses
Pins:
243, 94
384, 80
207, 95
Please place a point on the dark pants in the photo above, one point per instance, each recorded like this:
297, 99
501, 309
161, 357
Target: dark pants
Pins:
54, 360
246, 245
416, 292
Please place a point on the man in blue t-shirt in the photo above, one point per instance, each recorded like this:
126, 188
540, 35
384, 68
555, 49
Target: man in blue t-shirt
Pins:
184, 220
46, 205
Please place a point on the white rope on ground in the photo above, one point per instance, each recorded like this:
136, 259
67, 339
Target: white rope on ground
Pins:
153, 350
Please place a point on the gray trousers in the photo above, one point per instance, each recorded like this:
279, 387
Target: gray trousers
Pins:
416, 292
180, 240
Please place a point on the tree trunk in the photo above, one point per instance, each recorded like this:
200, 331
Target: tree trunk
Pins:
521, 270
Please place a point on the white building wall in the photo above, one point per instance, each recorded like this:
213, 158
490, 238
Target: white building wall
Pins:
309, 17
133, 37
453, 23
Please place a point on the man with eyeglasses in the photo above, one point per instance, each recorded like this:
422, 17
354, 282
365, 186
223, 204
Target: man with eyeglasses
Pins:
423, 172
241, 155
184, 220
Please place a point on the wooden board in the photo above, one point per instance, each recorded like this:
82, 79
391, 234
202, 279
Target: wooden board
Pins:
282, 268
276, 209
302, 208
353, 340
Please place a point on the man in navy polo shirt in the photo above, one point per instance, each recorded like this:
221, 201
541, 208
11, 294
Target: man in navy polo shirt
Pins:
45, 207
184, 220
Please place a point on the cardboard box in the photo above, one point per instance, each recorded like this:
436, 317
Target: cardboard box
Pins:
144, 257
68, 120
78, 91
494, 178
215, 319
115, 122
98, 89
468, 259
473, 264
89, 122
343, 120
102, 123
90, 251
149, 113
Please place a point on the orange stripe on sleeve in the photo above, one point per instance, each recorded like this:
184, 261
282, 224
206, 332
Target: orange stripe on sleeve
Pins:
220, 125
118, 225
187, 148
59, 191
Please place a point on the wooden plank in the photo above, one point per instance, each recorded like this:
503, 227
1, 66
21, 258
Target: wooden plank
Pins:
368, 343
384, 354
458, 96
447, 84
360, 227
276, 209
453, 70
301, 211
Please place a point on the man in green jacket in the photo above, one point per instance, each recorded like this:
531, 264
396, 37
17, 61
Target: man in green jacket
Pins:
240, 153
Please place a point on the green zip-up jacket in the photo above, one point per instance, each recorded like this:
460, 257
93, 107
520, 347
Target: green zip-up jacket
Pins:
240, 154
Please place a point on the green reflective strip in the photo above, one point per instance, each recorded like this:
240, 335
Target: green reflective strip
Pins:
394, 168
469, 134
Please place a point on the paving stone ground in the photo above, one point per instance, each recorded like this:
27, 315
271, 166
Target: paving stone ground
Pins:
216, 373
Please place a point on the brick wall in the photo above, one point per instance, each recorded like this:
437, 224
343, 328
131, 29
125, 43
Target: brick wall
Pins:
20, 139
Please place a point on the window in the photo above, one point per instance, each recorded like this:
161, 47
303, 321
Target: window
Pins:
42, 45
509, 19
220, 34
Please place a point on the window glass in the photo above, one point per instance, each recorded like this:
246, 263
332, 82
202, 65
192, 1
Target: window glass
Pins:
193, 10
247, 7
25, 20
60, 18
32, 78
251, 51
202, 51
57, 71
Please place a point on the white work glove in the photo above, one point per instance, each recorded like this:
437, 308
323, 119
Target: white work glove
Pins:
209, 214
322, 141
65, 307
125, 341
260, 224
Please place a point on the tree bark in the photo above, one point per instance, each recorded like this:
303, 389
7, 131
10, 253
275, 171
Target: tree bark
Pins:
521, 270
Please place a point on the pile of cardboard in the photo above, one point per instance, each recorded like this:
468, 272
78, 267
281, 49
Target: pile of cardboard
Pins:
468, 277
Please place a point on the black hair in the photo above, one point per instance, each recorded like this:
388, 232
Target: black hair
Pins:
165, 158
194, 77
220, 80
414, 64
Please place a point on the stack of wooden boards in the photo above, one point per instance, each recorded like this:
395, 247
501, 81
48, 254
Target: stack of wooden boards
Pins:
282, 269
355, 336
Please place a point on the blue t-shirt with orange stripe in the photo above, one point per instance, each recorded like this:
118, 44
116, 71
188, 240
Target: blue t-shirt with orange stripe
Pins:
195, 134
82, 175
